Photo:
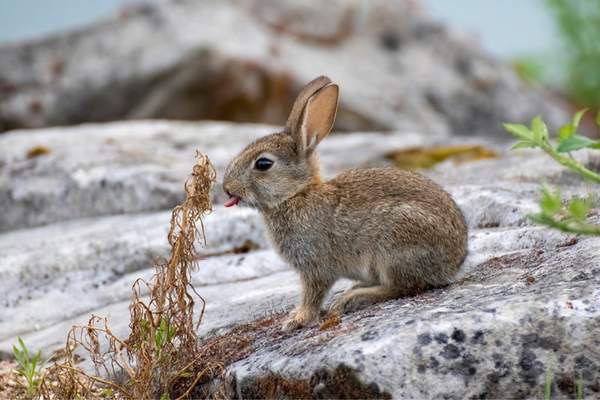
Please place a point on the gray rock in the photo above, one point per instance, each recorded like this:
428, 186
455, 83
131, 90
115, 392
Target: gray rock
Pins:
492, 335
95, 261
246, 60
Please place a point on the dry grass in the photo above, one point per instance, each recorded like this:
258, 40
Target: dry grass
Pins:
162, 355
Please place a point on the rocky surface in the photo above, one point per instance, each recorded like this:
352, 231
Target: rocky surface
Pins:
512, 319
82, 220
245, 61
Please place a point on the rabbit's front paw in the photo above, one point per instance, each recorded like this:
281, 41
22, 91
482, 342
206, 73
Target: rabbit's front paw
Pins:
291, 325
298, 318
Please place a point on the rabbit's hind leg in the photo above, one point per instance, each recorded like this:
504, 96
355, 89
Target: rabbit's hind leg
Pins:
370, 282
355, 298
358, 285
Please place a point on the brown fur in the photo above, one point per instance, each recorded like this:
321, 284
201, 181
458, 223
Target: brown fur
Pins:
396, 232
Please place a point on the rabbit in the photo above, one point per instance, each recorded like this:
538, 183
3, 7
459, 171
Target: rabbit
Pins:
396, 232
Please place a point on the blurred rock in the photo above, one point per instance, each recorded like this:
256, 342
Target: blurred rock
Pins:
246, 60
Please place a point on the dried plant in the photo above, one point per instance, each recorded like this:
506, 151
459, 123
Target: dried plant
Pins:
160, 358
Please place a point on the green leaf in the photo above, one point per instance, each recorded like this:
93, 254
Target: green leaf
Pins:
548, 385
575, 142
579, 384
539, 129
523, 144
566, 131
550, 202
598, 119
578, 208
520, 131
23, 347
577, 117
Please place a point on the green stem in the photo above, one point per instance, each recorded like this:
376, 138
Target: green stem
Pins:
585, 229
570, 163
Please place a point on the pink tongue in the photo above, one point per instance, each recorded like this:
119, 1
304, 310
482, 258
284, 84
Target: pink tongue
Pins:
232, 201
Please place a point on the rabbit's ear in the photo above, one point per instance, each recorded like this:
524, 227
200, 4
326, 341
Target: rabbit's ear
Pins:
311, 88
317, 118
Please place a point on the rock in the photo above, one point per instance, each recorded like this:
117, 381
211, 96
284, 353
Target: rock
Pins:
97, 260
132, 167
526, 301
492, 335
245, 61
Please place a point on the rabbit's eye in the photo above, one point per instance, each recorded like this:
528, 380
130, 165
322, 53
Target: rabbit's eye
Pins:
263, 164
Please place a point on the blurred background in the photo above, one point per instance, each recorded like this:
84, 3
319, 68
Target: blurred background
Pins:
552, 42
507, 29
243, 61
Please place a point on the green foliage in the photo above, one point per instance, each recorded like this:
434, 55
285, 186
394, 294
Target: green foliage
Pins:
163, 335
578, 22
530, 69
579, 389
107, 393
548, 380
548, 384
571, 217
29, 367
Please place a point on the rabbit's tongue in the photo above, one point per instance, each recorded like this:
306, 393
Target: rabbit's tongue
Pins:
232, 201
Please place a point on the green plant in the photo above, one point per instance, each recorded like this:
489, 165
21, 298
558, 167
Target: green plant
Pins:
570, 217
161, 357
163, 335
579, 389
107, 393
29, 367
529, 68
578, 23
548, 384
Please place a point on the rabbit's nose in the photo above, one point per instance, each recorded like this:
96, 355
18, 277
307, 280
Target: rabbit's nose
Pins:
227, 188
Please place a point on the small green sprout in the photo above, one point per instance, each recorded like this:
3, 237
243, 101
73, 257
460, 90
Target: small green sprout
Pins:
571, 217
579, 388
163, 335
107, 393
29, 367
548, 384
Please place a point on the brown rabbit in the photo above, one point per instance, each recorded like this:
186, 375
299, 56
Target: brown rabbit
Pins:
396, 232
